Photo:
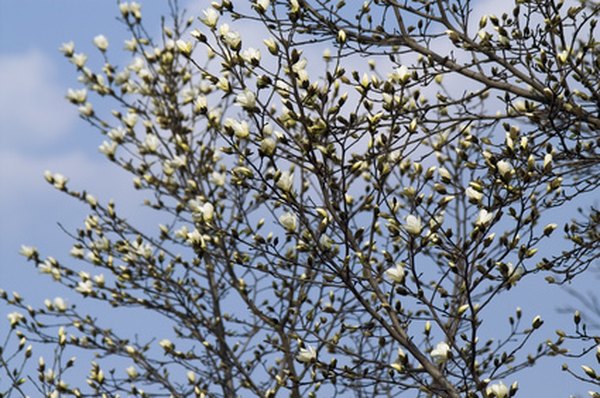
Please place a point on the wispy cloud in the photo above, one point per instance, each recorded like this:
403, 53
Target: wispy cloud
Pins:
32, 105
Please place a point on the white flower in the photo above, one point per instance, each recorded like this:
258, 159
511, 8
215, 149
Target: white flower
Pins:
132, 372
396, 273
205, 211
514, 274
101, 42
210, 17
166, 344
240, 129
262, 5
130, 119
246, 99
251, 55
307, 355
195, 238
67, 48
268, 146
85, 287
108, 148
86, 110
151, 143
79, 60
59, 181
218, 178
400, 75
441, 352
184, 47
77, 96
498, 390
483, 218
59, 304
28, 251
99, 279
233, 40
413, 225
473, 195
14, 318
285, 181
117, 134
289, 221
77, 252
504, 168
444, 173
547, 160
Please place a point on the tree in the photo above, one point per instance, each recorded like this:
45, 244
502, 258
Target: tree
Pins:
338, 225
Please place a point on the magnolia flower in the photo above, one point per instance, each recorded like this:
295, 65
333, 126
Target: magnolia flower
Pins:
59, 181
85, 287
307, 355
251, 55
246, 99
67, 48
514, 273
268, 146
86, 110
28, 251
14, 318
484, 218
184, 47
210, 17
77, 96
400, 75
504, 168
271, 45
130, 119
205, 211
262, 5
79, 60
59, 304
289, 221
218, 178
396, 273
413, 225
547, 160
233, 40
473, 194
151, 143
108, 148
77, 252
240, 129
285, 181
166, 344
101, 42
498, 390
132, 372
441, 352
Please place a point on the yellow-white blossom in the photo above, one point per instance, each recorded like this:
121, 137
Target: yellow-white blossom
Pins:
268, 145
497, 390
79, 60
101, 42
289, 221
514, 273
441, 352
307, 355
77, 96
67, 48
400, 75
108, 148
504, 168
285, 181
85, 287
132, 372
28, 251
59, 304
14, 318
166, 344
473, 194
251, 55
395, 273
263, 5
246, 99
484, 218
218, 178
210, 17
413, 225
151, 143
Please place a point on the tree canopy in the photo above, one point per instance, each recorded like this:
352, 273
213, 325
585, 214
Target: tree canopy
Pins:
347, 198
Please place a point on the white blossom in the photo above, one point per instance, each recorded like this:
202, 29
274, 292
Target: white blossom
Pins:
251, 55
289, 221
484, 218
218, 179
67, 48
268, 146
108, 148
413, 225
263, 5
473, 194
246, 99
28, 251
400, 75
210, 17
504, 168
77, 96
497, 390
441, 352
151, 143
395, 273
307, 355
14, 318
285, 181
79, 60
85, 287
59, 304
514, 273
101, 42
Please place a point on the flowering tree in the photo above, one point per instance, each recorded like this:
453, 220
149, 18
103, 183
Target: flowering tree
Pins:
339, 224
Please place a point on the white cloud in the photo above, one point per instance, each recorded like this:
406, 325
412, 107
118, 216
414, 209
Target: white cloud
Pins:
32, 105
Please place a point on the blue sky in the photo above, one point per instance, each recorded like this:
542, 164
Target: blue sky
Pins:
39, 130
